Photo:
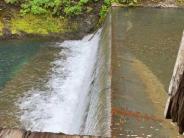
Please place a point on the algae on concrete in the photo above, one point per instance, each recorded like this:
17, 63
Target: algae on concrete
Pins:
33, 24
1, 28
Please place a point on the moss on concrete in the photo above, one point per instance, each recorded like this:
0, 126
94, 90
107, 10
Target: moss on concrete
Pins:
1, 28
180, 2
33, 24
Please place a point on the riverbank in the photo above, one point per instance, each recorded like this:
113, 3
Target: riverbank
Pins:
15, 26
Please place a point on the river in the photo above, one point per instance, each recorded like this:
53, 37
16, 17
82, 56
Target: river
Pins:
113, 81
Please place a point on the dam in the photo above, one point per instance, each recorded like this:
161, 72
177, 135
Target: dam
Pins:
112, 83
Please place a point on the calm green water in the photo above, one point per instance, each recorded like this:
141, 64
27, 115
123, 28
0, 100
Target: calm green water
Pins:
24, 65
152, 36
13, 55
145, 43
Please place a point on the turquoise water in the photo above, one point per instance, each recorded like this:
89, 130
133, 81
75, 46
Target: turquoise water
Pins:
13, 55
23, 65
56, 87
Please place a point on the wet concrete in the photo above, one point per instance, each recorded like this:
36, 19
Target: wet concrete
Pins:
144, 48
16, 133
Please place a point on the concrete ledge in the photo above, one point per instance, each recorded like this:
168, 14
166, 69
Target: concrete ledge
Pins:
174, 108
151, 5
18, 133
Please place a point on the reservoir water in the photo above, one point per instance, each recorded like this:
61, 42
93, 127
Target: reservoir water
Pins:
145, 43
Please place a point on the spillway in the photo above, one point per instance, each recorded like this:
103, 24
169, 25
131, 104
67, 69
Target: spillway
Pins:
72, 95
62, 87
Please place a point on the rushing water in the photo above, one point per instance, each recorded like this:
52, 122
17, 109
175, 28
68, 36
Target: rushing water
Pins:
18, 75
56, 87
60, 106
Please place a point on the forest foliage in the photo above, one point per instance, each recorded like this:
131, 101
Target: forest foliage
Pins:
63, 7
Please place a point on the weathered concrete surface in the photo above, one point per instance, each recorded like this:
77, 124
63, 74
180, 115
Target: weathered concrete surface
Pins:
16, 133
176, 79
158, 4
175, 104
11, 133
178, 70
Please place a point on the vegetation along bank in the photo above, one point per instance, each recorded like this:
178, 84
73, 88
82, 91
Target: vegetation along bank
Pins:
22, 18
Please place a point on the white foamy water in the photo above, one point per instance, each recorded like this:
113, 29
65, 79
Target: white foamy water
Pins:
60, 105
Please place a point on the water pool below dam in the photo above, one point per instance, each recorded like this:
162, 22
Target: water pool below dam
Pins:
112, 83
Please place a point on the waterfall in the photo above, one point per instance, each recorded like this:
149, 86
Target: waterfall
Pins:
77, 87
